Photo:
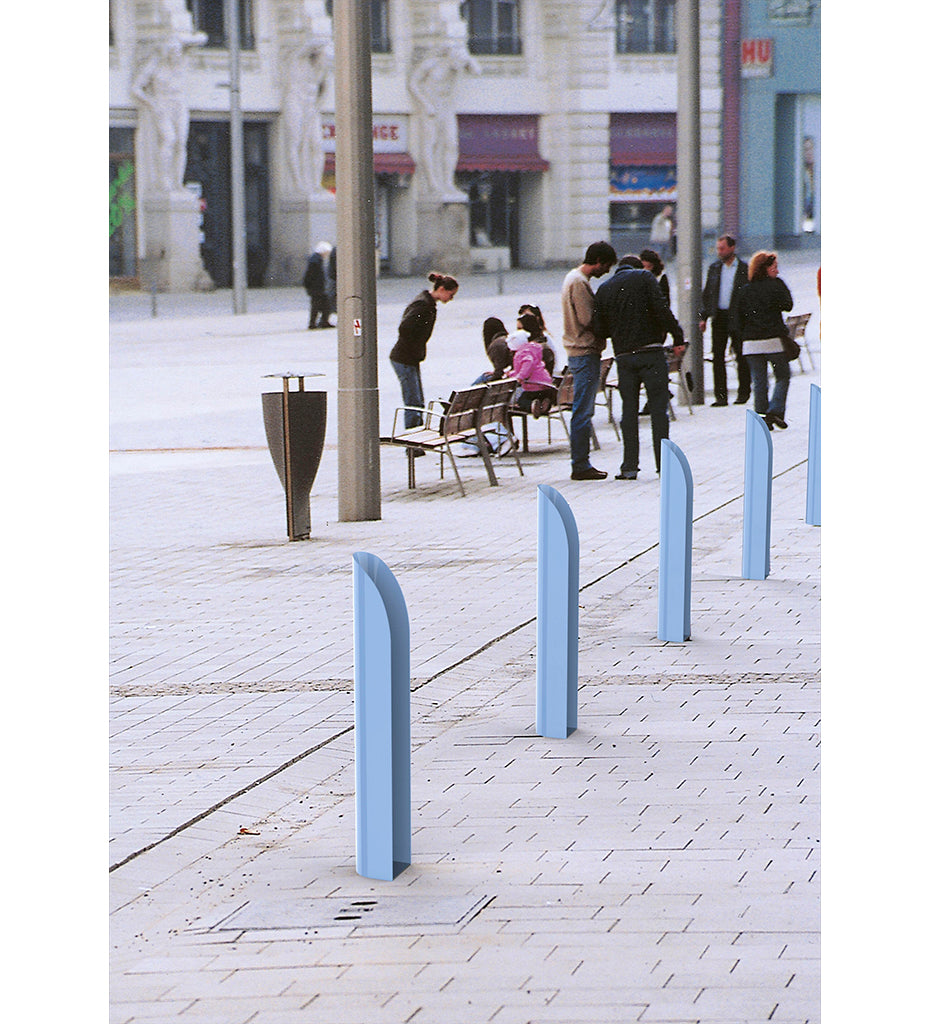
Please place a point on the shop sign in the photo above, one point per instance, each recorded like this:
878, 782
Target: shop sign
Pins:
644, 183
389, 134
756, 58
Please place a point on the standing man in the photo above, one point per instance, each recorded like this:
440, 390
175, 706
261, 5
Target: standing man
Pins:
583, 348
726, 276
631, 311
315, 284
661, 232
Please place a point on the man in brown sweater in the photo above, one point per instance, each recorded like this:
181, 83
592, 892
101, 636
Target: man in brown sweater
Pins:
583, 348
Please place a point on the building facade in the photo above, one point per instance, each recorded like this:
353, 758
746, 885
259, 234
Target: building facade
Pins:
780, 118
505, 132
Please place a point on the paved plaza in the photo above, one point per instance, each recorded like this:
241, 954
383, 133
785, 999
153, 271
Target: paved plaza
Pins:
662, 864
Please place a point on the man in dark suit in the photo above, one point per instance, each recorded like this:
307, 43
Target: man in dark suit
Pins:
726, 276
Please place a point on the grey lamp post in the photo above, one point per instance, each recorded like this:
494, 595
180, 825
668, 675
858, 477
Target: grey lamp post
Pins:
357, 341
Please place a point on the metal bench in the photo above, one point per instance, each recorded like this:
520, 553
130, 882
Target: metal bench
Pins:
446, 424
796, 327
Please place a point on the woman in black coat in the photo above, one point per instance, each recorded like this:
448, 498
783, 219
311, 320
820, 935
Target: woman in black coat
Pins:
410, 349
758, 323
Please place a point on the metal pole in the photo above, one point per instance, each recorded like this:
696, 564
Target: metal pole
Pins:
688, 189
357, 341
237, 174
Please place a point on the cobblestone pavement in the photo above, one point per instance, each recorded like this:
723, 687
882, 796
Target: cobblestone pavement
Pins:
661, 864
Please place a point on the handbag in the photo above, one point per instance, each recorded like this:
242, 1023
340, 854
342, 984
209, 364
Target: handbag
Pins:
791, 347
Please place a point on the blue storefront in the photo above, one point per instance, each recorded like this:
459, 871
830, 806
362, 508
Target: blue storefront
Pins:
780, 123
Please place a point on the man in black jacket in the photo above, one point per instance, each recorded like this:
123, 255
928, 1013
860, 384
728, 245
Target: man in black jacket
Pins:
726, 276
631, 311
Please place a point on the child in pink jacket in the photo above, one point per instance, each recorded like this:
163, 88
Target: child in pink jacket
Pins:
536, 393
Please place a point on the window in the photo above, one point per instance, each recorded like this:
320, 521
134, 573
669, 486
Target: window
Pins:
208, 16
645, 26
381, 38
494, 26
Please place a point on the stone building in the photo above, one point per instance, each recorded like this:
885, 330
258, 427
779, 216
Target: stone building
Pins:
505, 132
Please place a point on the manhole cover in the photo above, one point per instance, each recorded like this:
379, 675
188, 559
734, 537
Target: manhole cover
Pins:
355, 911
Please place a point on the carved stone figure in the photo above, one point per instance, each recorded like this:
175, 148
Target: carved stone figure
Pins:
431, 84
159, 87
305, 71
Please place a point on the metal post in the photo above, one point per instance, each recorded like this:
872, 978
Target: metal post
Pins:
237, 172
688, 191
675, 545
383, 720
758, 498
357, 409
557, 615
813, 494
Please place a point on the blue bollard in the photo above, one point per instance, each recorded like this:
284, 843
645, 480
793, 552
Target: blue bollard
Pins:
813, 499
758, 498
383, 720
557, 615
675, 544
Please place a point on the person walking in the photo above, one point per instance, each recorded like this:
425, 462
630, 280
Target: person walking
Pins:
583, 349
758, 323
726, 275
631, 311
316, 286
410, 350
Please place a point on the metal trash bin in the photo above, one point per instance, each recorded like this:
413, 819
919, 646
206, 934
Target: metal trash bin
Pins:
295, 428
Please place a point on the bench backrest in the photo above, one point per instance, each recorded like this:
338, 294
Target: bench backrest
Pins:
796, 325
464, 409
498, 396
606, 365
565, 390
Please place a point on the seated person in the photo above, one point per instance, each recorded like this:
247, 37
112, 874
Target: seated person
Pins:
536, 393
495, 336
549, 353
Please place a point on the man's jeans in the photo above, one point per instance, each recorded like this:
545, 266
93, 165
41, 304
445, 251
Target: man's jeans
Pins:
411, 392
586, 373
759, 375
650, 368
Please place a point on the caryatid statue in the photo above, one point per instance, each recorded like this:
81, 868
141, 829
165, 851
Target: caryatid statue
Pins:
305, 71
432, 85
159, 87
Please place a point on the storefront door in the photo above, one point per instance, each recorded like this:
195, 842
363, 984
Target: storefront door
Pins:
209, 165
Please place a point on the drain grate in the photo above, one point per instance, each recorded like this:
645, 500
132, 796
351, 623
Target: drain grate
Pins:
356, 912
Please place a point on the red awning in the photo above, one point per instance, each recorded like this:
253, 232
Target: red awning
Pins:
643, 140
499, 142
383, 163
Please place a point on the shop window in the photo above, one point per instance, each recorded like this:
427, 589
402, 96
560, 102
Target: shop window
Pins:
494, 197
381, 37
209, 17
122, 203
645, 26
494, 26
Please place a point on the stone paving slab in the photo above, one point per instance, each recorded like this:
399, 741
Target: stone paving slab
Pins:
663, 858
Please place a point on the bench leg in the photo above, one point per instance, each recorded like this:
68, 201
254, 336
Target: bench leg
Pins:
452, 462
485, 452
411, 481
684, 384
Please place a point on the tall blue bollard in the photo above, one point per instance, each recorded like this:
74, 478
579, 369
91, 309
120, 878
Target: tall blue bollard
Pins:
557, 615
675, 544
383, 720
813, 500
758, 498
